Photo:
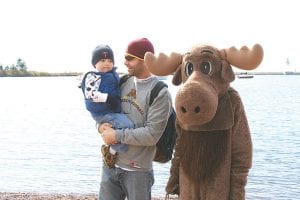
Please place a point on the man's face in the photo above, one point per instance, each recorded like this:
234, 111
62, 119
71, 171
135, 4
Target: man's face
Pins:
135, 66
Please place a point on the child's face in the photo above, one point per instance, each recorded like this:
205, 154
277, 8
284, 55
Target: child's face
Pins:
104, 65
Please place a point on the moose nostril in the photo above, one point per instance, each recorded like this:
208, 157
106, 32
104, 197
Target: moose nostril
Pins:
197, 109
183, 110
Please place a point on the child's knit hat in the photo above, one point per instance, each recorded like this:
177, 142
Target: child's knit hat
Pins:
139, 47
102, 52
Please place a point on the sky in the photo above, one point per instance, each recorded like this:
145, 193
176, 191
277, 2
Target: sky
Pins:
59, 35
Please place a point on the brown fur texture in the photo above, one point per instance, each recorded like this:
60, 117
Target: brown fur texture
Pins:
203, 153
213, 152
213, 170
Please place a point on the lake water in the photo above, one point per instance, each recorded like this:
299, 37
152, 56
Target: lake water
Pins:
49, 144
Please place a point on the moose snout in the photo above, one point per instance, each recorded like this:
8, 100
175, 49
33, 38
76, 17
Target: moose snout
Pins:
196, 109
196, 106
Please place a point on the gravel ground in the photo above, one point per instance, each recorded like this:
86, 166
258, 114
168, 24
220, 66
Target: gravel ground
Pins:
35, 196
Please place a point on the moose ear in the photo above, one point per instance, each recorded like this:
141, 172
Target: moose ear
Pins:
227, 72
177, 79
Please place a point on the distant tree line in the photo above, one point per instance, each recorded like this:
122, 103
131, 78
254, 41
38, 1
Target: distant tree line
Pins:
20, 70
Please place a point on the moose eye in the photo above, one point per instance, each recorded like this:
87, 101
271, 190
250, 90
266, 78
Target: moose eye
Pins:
189, 68
205, 67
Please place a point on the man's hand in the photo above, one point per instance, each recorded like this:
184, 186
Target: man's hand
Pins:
102, 127
109, 135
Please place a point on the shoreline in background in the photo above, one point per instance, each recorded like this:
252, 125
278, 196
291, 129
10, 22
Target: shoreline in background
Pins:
41, 196
267, 73
35, 74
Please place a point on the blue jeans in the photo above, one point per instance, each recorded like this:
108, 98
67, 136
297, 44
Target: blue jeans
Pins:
117, 184
118, 121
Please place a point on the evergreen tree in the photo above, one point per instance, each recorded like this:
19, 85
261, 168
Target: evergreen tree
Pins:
21, 65
13, 67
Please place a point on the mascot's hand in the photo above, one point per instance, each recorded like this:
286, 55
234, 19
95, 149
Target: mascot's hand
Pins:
99, 97
172, 185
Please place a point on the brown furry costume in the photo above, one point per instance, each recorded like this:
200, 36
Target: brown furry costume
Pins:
213, 152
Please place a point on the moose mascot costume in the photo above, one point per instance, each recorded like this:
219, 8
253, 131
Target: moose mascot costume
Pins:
213, 152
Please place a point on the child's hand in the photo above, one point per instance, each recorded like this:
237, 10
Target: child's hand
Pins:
104, 127
99, 97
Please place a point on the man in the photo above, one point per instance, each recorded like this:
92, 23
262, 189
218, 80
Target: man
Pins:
132, 174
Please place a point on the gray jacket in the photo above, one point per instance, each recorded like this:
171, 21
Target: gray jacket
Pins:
150, 123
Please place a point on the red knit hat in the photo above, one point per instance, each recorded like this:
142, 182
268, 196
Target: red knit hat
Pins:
138, 48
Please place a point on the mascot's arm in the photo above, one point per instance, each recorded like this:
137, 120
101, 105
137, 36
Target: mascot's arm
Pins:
241, 159
173, 182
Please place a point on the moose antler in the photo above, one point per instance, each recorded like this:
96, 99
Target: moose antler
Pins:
162, 65
244, 58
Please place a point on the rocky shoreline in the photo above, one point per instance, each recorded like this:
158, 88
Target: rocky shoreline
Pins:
38, 196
